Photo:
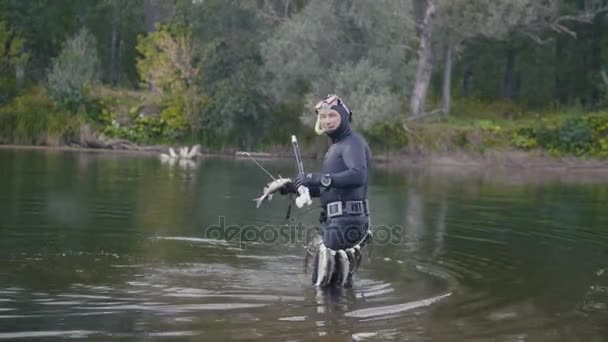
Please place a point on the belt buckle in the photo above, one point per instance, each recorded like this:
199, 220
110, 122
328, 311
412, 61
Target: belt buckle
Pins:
334, 209
354, 207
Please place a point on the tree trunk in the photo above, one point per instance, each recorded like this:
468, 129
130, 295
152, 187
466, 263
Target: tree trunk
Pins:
115, 45
447, 80
281, 8
152, 14
418, 12
425, 63
558, 87
596, 59
509, 77
467, 79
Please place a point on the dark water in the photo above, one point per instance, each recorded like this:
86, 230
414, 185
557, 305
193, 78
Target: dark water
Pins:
101, 247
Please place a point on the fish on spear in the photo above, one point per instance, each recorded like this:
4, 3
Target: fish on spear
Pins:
277, 184
284, 185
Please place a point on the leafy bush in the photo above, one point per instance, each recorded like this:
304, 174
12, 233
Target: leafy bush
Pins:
475, 108
579, 135
169, 66
387, 136
524, 138
11, 55
489, 126
144, 129
365, 90
575, 136
139, 128
33, 118
74, 71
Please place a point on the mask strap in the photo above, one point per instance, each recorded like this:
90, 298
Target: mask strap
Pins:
318, 128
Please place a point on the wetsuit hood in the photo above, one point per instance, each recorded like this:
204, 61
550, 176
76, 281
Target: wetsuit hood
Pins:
343, 129
334, 103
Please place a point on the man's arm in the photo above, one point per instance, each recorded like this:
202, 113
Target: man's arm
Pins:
290, 188
315, 191
355, 159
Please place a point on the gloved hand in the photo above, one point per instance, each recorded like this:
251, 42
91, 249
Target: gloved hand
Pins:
311, 179
288, 188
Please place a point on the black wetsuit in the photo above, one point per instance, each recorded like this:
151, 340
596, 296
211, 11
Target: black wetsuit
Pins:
348, 162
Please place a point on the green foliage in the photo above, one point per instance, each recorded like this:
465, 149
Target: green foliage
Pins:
124, 21
74, 71
120, 117
579, 135
387, 136
460, 138
33, 118
170, 67
11, 55
575, 136
474, 137
604, 86
364, 88
489, 126
474, 108
524, 138
330, 47
123, 102
237, 111
266, 63
143, 130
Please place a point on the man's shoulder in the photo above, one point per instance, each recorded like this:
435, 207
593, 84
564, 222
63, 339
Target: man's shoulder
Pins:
356, 136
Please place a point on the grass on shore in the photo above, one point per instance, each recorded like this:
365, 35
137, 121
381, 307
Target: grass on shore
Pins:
474, 127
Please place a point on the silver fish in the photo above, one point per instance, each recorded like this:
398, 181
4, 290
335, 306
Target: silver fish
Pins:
344, 266
322, 265
270, 189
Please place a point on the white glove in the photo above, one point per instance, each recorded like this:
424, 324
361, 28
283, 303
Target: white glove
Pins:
303, 197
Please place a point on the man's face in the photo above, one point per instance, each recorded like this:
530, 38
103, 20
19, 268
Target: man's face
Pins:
330, 120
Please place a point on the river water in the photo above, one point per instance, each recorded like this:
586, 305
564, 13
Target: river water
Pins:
111, 246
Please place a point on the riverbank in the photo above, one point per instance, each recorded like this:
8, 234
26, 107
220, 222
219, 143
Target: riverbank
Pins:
477, 136
516, 161
496, 159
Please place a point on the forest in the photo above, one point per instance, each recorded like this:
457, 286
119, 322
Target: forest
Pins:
420, 76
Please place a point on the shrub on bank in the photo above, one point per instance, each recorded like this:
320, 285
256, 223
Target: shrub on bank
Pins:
579, 135
32, 118
74, 71
421, 138
141, 130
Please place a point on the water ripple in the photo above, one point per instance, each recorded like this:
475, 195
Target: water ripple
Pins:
55, 333
396, 308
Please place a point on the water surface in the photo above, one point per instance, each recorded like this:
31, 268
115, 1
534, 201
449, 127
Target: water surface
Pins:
108, 246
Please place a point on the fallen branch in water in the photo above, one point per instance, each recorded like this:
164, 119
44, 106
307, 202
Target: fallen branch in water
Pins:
89, 139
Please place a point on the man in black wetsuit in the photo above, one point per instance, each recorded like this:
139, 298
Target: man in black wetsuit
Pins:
342, 188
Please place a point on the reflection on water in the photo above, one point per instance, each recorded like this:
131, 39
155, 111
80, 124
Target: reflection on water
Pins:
112, 247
